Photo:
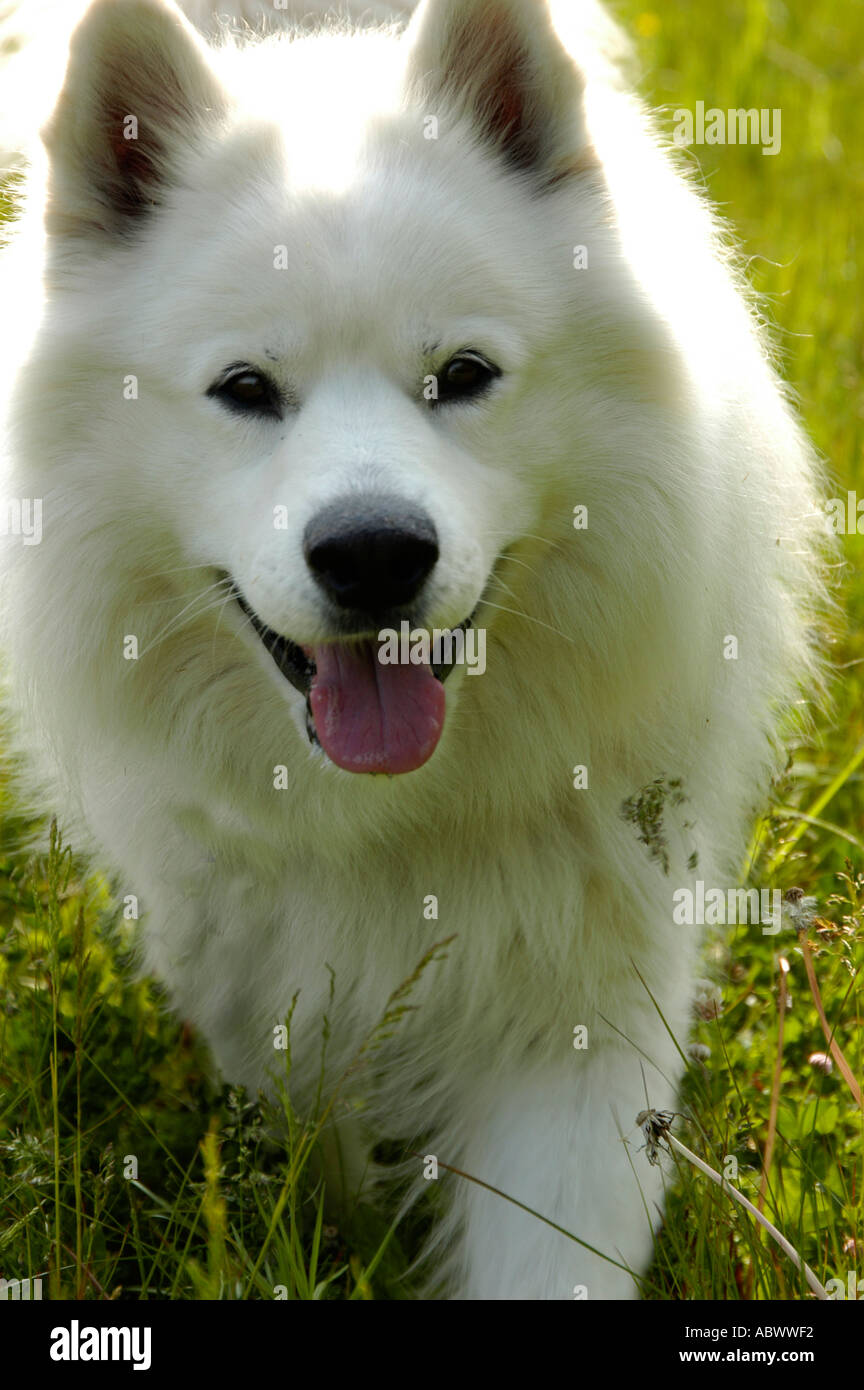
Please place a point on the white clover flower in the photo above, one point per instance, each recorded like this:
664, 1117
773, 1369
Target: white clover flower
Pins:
708, 1002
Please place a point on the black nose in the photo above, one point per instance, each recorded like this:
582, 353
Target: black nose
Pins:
373, 557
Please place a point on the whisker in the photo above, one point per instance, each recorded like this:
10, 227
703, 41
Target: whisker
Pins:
529, 619
506, 587
177, 622
531, 536
185, 569
514, 560
247, 621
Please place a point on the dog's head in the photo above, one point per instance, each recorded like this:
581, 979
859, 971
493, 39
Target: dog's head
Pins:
336, 339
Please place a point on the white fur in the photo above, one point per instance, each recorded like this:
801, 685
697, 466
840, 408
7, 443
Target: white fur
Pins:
638, 387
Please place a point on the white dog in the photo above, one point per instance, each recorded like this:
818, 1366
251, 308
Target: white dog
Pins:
413, 323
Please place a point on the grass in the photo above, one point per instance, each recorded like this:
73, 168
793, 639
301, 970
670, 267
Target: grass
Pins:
125, 1174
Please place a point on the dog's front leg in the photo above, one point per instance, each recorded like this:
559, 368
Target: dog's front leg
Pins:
553, 1140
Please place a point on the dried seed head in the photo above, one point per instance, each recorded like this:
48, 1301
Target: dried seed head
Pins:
654, 1124
798, 909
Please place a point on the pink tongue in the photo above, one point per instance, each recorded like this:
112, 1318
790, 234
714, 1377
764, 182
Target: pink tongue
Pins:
374, 718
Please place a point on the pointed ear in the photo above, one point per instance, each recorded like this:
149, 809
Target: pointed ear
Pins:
137, 92
501, 63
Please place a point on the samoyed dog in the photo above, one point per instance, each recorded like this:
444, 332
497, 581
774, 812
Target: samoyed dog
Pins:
414, 544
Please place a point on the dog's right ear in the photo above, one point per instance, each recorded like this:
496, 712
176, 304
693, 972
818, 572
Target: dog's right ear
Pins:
137, 93
502, 64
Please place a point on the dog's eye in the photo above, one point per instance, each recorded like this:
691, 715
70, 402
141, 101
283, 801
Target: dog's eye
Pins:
247, 392
465, 377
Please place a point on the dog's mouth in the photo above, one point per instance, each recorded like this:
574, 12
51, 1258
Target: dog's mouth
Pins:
367, 716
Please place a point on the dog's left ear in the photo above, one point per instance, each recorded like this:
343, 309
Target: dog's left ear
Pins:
138, 95
501, 63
